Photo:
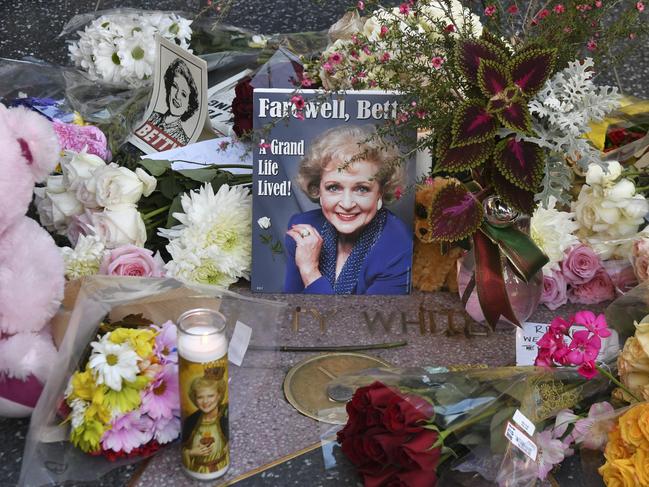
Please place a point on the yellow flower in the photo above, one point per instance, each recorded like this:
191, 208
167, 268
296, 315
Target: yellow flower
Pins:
642, 333
641, 464
141, 340
630, 429
616, 448
128, 398
88, 435
83, 386
643, 424
98, 410
619, 473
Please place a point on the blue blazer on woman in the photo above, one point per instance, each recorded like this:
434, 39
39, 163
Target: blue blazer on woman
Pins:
386, 269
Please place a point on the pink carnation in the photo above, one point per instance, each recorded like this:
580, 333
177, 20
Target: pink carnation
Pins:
555, 290
598, 289
82, 137
580, 265
129, 260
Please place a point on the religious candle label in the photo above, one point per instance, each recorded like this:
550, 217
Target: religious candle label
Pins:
204, 412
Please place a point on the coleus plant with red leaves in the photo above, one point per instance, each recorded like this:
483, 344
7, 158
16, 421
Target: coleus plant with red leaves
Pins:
484, 135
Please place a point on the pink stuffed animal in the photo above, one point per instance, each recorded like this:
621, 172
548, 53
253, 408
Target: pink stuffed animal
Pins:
31, 265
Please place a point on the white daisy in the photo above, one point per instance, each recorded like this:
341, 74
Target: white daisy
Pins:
137, 55
112, 362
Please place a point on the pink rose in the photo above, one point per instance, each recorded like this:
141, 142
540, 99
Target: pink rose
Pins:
641, 259
599, 288
580, 265
621, 273
555, 290
129, 260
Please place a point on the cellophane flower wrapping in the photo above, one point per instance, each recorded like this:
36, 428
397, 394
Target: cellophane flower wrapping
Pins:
399, 416
49, 457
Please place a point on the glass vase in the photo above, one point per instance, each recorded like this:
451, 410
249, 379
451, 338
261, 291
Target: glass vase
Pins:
523, 296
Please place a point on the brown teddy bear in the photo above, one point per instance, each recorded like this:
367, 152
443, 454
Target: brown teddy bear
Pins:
431, 269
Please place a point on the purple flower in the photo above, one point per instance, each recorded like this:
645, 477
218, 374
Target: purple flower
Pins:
580, 265
160, 399
165, 347
551, 452
555, 290
564, 418
127, 432
166, 430
592, 431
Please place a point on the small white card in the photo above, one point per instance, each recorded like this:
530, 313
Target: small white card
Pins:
530, 333
521, 420
526, 338
208, 152
520, 441
239, 343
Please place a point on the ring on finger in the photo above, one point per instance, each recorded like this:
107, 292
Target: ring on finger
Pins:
304, 233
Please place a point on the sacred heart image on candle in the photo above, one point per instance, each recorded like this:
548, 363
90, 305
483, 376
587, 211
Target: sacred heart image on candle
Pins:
203, 369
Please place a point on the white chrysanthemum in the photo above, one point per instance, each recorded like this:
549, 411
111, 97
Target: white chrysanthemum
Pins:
79, 407
85, 258
213, 243
113, 362
552, 230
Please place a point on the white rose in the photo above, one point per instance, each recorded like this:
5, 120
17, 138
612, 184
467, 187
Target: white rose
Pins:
117, 185
56, 205
584, 208
87, 193
78, 167
264, 222
120, 225
621, 190
636, 208
597, 176
148, 181
349, 24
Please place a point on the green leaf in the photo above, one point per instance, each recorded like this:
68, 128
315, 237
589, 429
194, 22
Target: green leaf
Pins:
170, 187
202, 175
277, 247
156, 168
176, 207
265, 239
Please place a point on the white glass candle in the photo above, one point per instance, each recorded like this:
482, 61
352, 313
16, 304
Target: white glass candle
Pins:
203, 369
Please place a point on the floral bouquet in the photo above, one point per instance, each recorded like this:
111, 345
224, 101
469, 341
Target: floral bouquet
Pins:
505, 104
119, 46
422, 426
125, 400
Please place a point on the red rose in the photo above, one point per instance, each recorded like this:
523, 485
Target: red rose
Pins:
416, 453
242, 107
405, 414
